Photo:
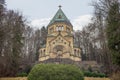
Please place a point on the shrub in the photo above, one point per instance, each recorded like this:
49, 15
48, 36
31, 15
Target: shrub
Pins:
23, 74
102, 75
93, 74
55, 72
88, 74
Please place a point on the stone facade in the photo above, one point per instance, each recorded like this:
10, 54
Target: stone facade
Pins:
59, 43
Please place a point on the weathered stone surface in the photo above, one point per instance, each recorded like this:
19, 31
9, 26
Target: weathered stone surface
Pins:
59, 43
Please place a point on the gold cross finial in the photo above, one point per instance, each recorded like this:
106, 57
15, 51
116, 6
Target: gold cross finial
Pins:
59, 6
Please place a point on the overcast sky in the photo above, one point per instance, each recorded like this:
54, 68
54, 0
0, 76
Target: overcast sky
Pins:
40, 12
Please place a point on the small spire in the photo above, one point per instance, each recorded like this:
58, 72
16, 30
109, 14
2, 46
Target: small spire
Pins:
60, 6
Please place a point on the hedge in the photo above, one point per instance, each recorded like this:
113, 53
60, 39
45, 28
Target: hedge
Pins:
55, 72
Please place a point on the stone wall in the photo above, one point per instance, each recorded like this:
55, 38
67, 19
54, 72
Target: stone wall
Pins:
84, 65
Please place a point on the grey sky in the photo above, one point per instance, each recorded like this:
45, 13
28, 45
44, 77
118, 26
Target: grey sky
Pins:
39, 12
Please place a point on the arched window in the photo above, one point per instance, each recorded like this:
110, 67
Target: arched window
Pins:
44, 53
51, 30
68, 30
62, 28
44, 50
59, 28
64, 42
53, 42
75, 52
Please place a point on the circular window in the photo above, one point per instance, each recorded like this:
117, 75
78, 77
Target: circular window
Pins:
64, 42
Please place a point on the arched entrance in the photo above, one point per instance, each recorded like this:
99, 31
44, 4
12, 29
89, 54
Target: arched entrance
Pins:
58, 50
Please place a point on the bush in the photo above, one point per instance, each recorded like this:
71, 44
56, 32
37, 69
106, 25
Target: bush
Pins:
93, 74
23, 74
55, 72
87, 74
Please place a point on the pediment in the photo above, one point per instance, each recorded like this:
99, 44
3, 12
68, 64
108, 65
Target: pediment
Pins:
59, 40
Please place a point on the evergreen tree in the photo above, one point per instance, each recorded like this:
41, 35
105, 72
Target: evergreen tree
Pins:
17, 38
1, 22
2, 7
113, 32
43, 35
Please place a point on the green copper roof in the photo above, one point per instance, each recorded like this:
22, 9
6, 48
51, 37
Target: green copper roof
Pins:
59, 16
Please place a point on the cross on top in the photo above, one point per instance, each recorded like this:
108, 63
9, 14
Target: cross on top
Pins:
59, 6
